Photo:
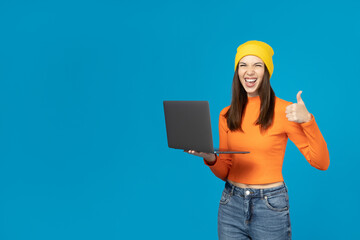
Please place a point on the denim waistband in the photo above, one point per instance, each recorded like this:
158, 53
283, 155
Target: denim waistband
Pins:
254, 192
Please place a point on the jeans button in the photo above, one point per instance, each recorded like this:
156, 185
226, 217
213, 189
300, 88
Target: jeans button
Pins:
247, 192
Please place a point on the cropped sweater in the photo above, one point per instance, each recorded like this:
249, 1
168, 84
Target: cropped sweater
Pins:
264, 162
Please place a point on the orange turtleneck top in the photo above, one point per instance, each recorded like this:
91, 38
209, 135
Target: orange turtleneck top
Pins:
264, 162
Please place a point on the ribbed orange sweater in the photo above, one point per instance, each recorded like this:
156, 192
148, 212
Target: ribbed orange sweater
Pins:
264, 162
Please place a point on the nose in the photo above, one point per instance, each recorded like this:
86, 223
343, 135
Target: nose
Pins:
250, 71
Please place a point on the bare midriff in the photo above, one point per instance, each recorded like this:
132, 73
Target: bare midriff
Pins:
259, 186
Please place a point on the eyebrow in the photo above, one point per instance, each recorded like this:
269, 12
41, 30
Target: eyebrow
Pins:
254, 63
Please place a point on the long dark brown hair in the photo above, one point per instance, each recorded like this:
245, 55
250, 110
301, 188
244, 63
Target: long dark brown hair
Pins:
239, 100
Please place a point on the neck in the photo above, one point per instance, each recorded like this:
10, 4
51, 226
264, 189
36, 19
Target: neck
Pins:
252, 94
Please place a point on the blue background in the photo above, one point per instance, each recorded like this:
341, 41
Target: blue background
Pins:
83, 143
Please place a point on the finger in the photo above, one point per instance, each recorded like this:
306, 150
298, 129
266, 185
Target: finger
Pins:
291, 115
290, 108
196, 153
192, 152
298, 97
292, 119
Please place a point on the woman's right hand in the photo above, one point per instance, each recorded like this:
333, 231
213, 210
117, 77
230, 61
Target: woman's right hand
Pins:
209, 157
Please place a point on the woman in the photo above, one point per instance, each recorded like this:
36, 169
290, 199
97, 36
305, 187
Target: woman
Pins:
255, 203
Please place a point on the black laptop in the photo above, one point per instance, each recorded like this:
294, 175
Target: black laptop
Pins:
188, 127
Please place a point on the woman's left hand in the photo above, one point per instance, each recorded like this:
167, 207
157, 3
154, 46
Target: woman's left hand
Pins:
297, 112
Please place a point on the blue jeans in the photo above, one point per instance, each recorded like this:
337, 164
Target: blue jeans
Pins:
249, 213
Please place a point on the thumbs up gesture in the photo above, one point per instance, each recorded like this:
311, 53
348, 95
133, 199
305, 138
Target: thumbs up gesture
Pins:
297, 112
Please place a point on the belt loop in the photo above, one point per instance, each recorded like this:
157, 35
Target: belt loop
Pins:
261, 193
232, 190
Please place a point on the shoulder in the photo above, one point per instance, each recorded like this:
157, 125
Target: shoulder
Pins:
224, 111
281, 104
223, 120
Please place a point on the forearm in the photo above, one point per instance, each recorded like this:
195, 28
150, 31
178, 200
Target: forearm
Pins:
317, 153
211, 160
220, 167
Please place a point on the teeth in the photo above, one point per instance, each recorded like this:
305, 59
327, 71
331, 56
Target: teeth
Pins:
250, 80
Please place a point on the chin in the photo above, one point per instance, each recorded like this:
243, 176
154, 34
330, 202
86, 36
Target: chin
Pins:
251, 92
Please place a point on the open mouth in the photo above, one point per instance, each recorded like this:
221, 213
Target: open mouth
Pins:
250, 82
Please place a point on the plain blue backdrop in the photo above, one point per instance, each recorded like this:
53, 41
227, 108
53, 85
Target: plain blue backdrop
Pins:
83, 151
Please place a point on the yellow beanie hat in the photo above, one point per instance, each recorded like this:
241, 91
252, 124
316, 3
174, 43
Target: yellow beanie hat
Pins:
259, 49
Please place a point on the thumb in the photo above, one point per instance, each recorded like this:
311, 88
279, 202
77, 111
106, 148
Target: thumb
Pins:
298, 97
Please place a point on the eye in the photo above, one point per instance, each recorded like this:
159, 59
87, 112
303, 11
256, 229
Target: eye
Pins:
259, 65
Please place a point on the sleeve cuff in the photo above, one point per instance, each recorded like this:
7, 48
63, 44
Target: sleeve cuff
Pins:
309, 123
